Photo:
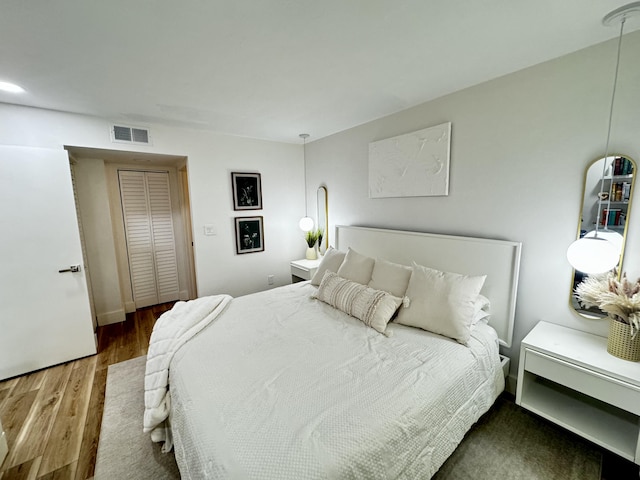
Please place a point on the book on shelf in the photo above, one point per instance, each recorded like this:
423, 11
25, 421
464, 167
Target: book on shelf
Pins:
622, 166
617, 166
620, 192
610, 216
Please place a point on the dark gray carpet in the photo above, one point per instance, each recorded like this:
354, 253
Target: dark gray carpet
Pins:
506, 443
510, 443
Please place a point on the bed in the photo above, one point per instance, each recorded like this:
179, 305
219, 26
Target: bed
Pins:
283, 385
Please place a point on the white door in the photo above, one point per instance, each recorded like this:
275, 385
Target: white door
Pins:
148, 222
45, 317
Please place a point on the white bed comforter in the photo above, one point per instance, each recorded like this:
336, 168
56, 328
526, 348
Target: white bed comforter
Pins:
172, 330
282, 386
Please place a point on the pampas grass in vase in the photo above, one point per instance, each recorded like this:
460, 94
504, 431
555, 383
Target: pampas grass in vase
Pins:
620, 300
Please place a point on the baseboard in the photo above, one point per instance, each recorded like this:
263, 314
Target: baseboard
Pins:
130, 306
108, 318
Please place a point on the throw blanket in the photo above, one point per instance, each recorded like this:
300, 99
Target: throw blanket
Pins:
172, 330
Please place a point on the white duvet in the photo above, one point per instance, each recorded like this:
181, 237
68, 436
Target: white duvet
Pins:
282, 386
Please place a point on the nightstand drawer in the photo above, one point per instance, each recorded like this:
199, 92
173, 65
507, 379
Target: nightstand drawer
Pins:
608, 389
300, 272
303, 269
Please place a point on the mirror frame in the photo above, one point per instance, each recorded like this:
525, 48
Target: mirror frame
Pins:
592, 313
322, 198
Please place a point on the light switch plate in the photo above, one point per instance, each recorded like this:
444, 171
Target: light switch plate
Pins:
209, 229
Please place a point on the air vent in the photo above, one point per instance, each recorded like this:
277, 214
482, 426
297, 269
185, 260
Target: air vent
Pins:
124, 134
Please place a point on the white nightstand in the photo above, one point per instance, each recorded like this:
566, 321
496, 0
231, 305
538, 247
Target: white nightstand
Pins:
567, 377
303, 269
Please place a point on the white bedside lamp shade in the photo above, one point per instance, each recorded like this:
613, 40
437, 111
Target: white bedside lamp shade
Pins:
593, 255
306, 224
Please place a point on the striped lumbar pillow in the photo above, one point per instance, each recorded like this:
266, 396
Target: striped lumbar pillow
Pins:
373, 307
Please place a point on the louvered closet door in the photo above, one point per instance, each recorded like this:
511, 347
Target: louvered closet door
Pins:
151, 249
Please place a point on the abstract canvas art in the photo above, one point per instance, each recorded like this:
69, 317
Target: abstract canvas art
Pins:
411, 165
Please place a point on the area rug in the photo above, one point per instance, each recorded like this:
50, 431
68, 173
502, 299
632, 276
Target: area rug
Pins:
506, 443
509, 442
124, 451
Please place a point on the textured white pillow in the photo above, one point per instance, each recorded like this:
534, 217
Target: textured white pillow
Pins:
441, 302
373, 307
480, 317
331, 261
390, 277
481, 312
356, 267
481, 309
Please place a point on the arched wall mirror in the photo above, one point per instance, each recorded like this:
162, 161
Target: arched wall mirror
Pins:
323, 217
607, 202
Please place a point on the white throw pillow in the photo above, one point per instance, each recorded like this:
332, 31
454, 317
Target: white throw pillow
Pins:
331, 261
481, 312
390, 277
356, 267
373, 307
441, 302
481, 309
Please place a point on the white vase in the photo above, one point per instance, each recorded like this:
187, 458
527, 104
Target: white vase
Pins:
311, 253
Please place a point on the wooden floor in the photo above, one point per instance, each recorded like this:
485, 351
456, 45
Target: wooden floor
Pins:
52, 417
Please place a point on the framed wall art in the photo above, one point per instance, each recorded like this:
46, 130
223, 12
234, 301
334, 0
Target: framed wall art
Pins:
247, 191
249, 235
411, 165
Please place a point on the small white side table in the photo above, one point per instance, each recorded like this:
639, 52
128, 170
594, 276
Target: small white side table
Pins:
567, 377
303, 269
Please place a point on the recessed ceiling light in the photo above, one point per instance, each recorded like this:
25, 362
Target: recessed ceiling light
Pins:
11, 87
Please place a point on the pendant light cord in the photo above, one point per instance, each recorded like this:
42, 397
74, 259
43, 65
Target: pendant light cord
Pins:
304, 137
304, 164
606, 148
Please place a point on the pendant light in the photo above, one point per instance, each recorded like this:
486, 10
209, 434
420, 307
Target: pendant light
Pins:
599, 251
306, 222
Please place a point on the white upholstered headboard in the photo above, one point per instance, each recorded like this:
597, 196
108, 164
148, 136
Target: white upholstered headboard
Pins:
499, 260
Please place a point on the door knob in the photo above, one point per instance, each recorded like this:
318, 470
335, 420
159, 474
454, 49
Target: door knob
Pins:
72, 268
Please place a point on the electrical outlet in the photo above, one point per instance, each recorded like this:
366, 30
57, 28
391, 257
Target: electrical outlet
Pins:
270, 279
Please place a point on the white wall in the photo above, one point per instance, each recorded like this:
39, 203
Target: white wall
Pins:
93, 201
520, 146
211, 158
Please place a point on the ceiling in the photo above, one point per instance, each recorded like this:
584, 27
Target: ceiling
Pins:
272, 69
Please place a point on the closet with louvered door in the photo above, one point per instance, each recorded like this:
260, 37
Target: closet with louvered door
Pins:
148, 223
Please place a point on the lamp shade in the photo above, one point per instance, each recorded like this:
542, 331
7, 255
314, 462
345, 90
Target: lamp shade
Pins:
614, 237
306, 224
593, 255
